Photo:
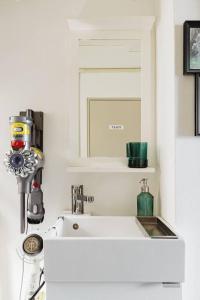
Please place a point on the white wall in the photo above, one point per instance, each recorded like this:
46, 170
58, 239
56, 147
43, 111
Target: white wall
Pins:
165, 107
179, 149
35, 73
187, 156
175, 96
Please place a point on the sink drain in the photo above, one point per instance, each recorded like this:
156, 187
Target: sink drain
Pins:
75, 226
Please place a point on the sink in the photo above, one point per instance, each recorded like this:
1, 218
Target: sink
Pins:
108, 249
111, 248
101, 226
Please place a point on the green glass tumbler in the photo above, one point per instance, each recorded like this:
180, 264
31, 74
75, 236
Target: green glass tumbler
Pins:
137, 154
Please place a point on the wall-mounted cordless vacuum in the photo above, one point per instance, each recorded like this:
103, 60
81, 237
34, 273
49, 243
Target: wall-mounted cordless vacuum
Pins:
25, 160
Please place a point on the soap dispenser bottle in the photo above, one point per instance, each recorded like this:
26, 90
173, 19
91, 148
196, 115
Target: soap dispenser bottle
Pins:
145, 200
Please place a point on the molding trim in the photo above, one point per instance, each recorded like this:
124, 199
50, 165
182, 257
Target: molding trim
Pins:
113, 23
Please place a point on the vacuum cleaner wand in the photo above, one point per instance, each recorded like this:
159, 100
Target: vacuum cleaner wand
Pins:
24, 187
25, 160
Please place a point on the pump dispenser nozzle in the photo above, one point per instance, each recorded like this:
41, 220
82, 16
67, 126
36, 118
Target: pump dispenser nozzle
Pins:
144, 187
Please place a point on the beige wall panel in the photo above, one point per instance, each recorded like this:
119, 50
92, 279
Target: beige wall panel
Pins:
112, 123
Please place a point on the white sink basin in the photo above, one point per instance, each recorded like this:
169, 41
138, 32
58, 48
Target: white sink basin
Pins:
110, 249
101, 226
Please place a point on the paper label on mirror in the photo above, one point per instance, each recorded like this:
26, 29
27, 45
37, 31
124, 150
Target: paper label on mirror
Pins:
116, 127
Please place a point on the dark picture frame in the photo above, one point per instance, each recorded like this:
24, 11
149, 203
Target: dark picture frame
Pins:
197, 104
191, 63
191, 46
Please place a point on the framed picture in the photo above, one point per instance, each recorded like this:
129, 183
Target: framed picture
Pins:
191, 46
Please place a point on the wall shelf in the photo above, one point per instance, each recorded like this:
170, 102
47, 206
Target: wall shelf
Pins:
109, 170
104, 165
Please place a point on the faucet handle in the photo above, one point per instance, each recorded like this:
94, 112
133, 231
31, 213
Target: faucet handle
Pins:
90, 199
80, 189
74, 189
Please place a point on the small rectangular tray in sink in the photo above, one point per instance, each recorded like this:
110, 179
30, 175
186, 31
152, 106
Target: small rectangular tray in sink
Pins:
156, 229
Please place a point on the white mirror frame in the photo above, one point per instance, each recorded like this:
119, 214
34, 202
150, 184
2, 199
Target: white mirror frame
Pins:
141, 28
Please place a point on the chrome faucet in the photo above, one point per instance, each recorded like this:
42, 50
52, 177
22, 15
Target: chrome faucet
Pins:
78, 199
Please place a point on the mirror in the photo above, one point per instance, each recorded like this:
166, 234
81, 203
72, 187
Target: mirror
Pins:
109, 96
